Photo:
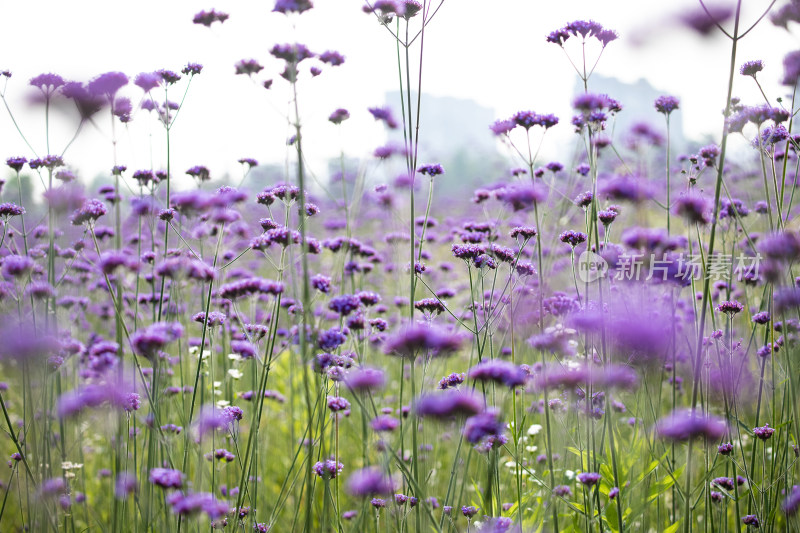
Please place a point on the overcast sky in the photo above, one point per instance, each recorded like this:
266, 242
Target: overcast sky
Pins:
491, 52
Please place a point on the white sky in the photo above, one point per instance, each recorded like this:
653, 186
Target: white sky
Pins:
491, 52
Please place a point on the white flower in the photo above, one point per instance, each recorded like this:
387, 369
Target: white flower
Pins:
531, 449
222, 403
570, 474
534, 429
234, 373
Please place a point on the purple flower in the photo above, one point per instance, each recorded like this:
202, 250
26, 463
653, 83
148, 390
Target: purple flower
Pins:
449, 404
791, 68
751, 520
694, 208
384, 114
791, 504
483, 425
499, 371
192, 69
588, 479
705, 20
16, 163
726, 448
453, 380
47, 83
125, 485
52, 487
107, 85
730, 307
503, 127
336, 404
331, 339
528, 119
166, 478
751, 68
686, 425
626, 188
613, 493
94, 395
248, 66
666, 104
384, 423
339, 116
8, 210
573, 238
378, 503
723, 482
207, 18
243, 348
469, 511
520, 197
763, 433
292, 6
416, 339
148, 341
88, 213
198, 502
563, 491
431, 170
328, 469
607, 216
233, 413
344, 304
365, 379
369, 481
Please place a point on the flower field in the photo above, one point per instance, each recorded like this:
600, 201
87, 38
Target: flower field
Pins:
599, 342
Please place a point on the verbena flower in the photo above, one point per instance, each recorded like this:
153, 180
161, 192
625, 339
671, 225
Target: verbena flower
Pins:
431, 170
148, 341
248, 67
764, 433
166, 478
573, 238
339, 116
499, 371
365, 379
207, 18
383, 423
385, 115
751, 520
328, 469
88, 213
588, 479
730, 308
666, 104
686, 425
483, 425
292, 6
417, 339
47, 83
449, 404
370, 481
469, 511
791, 504
751, 68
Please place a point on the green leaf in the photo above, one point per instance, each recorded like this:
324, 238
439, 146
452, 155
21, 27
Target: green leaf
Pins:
673, 528
612, 518
648, 470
